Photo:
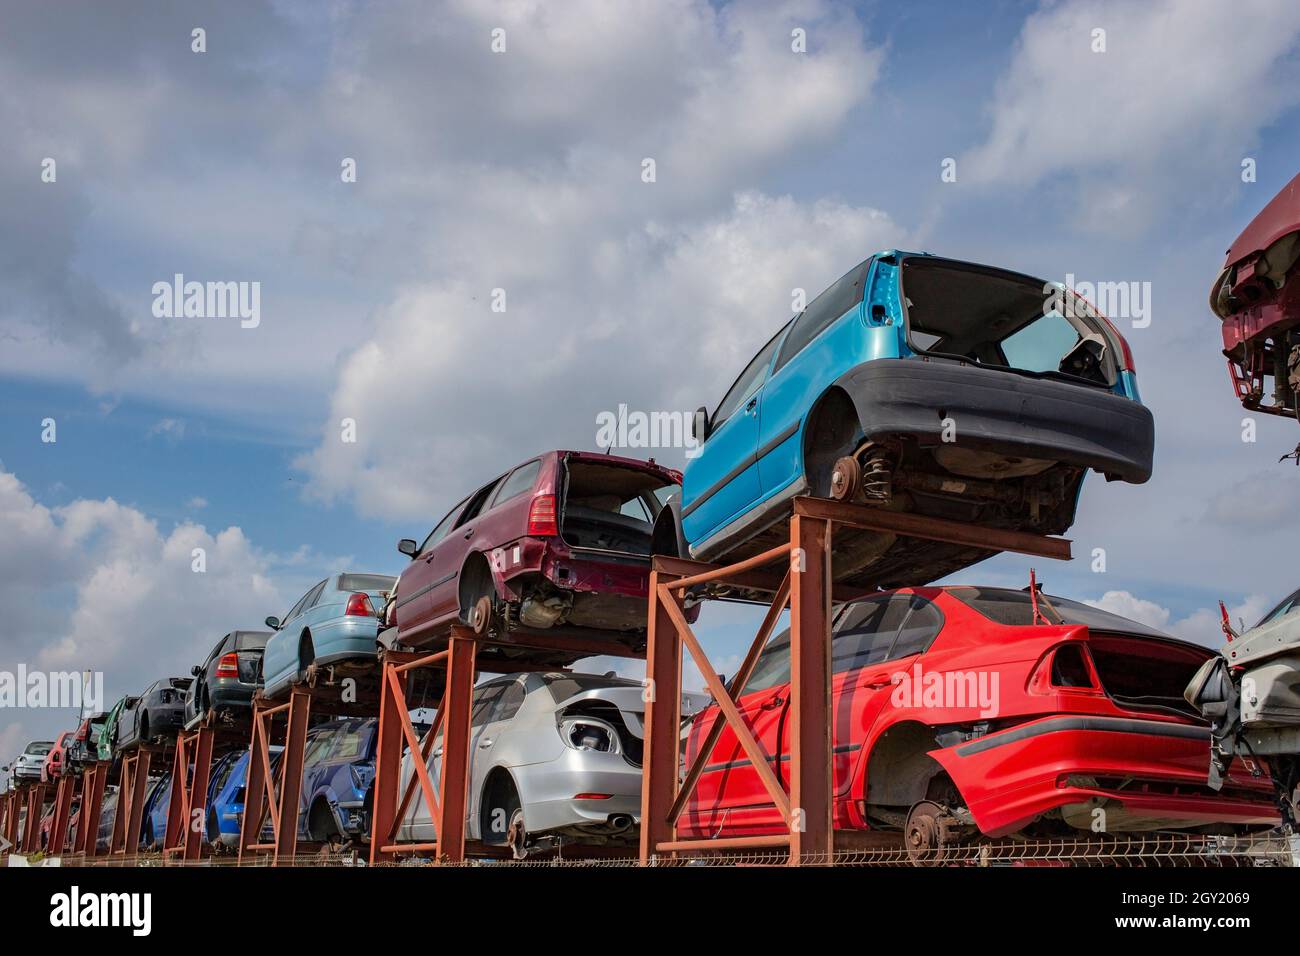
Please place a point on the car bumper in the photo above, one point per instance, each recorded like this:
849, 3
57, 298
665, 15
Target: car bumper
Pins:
550, 791
1145, 774
1004, 412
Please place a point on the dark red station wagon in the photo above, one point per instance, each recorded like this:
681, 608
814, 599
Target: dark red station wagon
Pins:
559, 543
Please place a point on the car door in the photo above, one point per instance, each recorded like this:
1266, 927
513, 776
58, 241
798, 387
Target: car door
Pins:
414, 603
730, 795
280, 659
449, 556
486, 697
722, 480
492, 738
817, 351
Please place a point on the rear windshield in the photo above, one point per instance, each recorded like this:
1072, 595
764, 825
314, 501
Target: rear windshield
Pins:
251, 642
365, 582
564, 686
1015, 609
38, 750
1002, 319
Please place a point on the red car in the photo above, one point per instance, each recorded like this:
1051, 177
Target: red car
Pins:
1257, 298
961, 711
561, 541
56, 759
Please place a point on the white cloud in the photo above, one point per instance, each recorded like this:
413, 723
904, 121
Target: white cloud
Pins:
1202, 626
1173, 92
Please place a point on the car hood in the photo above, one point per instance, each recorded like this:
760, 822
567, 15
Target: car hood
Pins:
631, 704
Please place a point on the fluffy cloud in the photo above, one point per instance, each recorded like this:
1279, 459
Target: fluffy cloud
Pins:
98, 585
1202, 626
1172, 94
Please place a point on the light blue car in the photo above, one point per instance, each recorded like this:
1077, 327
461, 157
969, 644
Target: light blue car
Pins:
336, 621
919, 384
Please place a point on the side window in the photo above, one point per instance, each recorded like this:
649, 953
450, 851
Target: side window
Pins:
350, 744
748, 382
521, 479
484, 703
216, 651
317, 749
867, 632
824, 310
1041, 345
511, 700
441, 529
303, 602
773, 666
923, 624
636, 508
476, 503
314, 597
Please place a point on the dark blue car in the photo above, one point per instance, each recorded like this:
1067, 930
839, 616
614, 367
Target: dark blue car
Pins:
226, 803
338, 771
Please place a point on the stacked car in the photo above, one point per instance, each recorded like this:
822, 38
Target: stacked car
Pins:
914, 384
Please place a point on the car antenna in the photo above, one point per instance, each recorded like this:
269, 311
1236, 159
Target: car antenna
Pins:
1039, 616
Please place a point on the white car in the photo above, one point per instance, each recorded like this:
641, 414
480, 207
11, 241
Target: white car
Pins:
554, 757
29, 762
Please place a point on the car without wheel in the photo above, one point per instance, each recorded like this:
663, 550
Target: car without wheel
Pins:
922, 385
335, 624
560, 542
154, 717
961, 712
57, 759
224, 684
554, 758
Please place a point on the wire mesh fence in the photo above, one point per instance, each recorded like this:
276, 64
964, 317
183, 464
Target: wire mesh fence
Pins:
1156, 850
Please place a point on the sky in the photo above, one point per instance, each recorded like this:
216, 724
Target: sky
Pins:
510, 167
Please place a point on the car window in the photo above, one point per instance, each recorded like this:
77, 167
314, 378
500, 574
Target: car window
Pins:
824, 310
635, 508
313, 598
366, 582
302, 603
351, 743
521, 480
441, 528
485, 699
748, 383
317, 748
511, 700
1040, 346
216, 651
1286, 607
476, 503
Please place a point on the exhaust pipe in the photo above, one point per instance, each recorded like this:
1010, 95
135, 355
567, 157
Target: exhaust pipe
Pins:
621, 822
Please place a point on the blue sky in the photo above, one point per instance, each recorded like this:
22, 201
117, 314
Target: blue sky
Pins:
521, 170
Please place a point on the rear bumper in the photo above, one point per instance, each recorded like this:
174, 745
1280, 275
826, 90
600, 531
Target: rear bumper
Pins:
1004, 412
571, 570
550, 788
1144, 773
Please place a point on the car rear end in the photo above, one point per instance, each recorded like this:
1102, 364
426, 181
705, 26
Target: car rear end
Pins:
584, 557
233, 680
1101, 737
167, 711
352, 632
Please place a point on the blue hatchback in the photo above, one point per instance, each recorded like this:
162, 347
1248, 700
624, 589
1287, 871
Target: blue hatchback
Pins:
918, 384
337, 774
333, 623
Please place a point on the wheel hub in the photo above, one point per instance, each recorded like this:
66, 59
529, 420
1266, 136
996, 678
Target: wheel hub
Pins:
846, 479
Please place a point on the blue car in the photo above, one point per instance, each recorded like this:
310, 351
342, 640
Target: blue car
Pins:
338, 771
918, 384
226, 798
336, 622
153, 826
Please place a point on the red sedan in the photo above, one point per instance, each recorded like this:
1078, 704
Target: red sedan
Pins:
962, 711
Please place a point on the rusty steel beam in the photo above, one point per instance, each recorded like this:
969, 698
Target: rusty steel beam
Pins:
776, 840
458, 702
290, 774
662, 719
811, 792
188, 806
63, 797
753, 580
32, 825
868, 518
93, 783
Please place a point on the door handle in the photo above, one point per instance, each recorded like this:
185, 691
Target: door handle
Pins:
773, 702
877, 682
428, 559
485, 744
752, 407
469, 534
437, 752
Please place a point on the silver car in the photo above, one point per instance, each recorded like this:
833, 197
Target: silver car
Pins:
29, 762
553, 758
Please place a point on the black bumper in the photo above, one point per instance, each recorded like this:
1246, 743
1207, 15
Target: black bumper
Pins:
1004, 412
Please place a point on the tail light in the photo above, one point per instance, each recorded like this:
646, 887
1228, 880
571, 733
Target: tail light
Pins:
359, 606
228, 666
541, 517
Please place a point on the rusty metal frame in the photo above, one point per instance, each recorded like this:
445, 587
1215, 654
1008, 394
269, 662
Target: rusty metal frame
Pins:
806, 587
448, 800
188, 803
133, 789
274, 791
35, 799
64, 794
94, 781
11, 804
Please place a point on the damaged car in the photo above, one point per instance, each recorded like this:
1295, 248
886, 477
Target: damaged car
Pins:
915, 384
557, 545
555, 758
965, 713
1250, 693
1256, 297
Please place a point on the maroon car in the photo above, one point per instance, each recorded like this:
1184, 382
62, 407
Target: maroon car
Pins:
560, 543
